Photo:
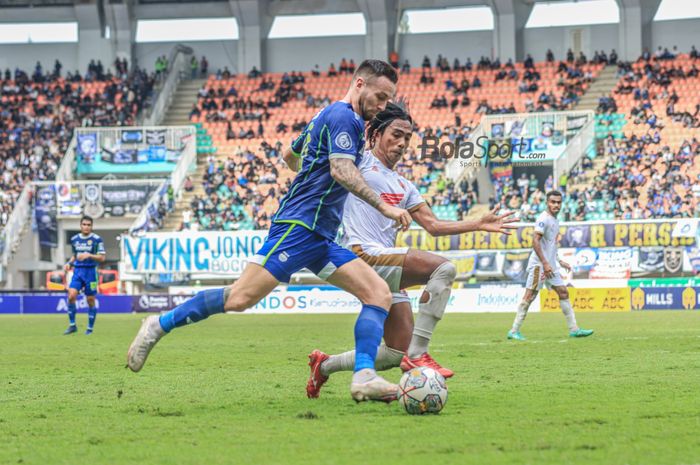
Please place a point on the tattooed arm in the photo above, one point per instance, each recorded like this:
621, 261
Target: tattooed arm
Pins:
344, 171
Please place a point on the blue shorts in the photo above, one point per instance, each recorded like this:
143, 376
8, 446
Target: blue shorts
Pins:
292, 247
84, 278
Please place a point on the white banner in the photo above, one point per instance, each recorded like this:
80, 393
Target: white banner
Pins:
202, 254
484, 300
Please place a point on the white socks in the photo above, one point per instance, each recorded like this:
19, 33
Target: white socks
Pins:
439, 287
386, 358
569, 314
520, 315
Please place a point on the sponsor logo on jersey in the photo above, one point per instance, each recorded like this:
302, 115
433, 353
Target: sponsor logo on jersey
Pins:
391, 199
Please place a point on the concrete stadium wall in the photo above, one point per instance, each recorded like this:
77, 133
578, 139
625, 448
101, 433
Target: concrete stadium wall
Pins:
219, 53
682, 33
558, 39
452, 45
304, 53
25, 56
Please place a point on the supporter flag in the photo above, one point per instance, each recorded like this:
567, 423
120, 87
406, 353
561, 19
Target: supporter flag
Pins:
651, 258
694, 257
497, 130
547, 128
673, 259
577, 236
45, 215
87, 147
685, 228
585, 259
574, 123
155, 136
514, 265
516, 128
612, 263
486, 263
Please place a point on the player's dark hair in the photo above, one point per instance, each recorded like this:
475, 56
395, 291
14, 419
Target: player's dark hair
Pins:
86, 218
384, 118
369, 69
554, 194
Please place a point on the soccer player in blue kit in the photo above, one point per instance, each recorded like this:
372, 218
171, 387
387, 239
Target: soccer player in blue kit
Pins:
303, 232
88, 251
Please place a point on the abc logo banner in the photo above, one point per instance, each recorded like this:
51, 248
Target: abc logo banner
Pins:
589, 300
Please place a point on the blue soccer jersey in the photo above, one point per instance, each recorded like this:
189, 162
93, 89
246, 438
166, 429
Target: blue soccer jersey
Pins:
91, 244
315, 200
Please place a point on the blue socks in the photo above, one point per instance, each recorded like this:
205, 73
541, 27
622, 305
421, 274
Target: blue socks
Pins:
369, 330
92, 314
71, 313
201, 306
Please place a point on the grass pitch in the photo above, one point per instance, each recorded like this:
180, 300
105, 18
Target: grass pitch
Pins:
230, 390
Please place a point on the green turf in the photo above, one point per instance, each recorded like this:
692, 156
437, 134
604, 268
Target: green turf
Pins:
231, 391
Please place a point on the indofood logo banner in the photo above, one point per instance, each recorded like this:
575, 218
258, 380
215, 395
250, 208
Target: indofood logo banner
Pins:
207, 252
573, 235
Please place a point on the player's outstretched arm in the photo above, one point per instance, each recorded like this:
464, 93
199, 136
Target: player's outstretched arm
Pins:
344, 171
491, 222
292, 161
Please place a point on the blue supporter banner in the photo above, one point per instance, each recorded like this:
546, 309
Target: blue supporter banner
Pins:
58, 303
10, 304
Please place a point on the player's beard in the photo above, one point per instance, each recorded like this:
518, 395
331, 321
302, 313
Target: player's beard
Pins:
363, 111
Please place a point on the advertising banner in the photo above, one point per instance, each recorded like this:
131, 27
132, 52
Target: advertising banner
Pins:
213, 253
665, 298
58, 302
588, 300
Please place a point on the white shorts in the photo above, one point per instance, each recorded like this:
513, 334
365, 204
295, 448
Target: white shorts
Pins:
535, 279
388, 263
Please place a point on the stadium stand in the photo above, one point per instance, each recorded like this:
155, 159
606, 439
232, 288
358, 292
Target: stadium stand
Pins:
39, 111
245, 120
643, 167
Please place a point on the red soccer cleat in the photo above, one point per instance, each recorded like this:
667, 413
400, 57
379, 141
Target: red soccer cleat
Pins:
316, 379
425, 360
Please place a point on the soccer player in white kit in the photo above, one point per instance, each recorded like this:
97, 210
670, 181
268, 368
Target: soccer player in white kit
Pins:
373, 240
542, 269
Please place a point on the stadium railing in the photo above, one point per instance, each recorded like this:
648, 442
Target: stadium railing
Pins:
579, 146
12, 232
179, 66
185, 164
67, 168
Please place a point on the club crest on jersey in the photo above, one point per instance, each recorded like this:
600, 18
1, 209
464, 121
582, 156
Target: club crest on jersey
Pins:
343, 141
89, 242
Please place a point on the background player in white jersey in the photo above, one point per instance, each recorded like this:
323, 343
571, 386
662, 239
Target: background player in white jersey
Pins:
542, 269
373, 238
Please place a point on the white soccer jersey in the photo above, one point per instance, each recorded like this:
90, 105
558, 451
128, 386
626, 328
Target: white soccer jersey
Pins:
548, 226
363, 224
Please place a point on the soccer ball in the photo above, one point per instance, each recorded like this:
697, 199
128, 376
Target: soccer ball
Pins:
422, 390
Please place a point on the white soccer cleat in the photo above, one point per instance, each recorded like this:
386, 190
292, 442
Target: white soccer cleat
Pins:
148, 335
375, 388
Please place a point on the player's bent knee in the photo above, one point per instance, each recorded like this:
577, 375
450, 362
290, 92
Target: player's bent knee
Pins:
377, 293
239, 302
446, 271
